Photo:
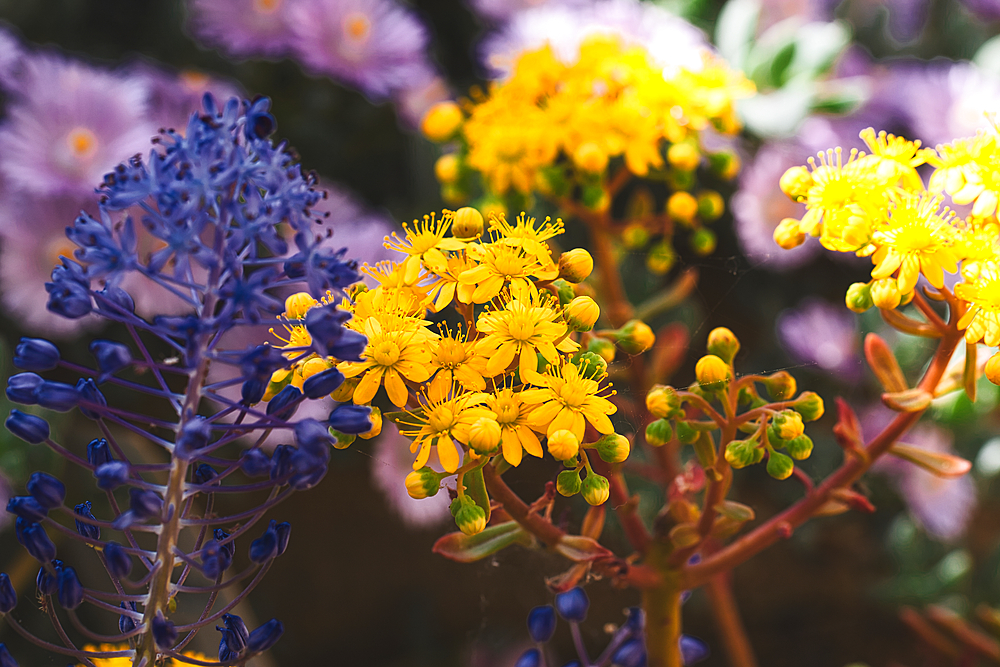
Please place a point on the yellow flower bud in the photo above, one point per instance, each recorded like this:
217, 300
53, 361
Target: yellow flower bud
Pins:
342, 440
484, 435
635, 236
595, 489
659, 432
684, 155
563, 445
279, 380
723, 343
992, 369
589, 157
471, 519
313, 366
885, 293
795, 183
467, 223
809, 405
662, 401
345, 392
682, 206
297, 304
422, 483
712, 371
447, 168
781, 386
703, 241
788, 425
575, 265
711, 205
442, 121
661, 258
613, 448
602, 347
581, 313
788, 234
568, 482
635, 337
376, 419
859, 297
729, 165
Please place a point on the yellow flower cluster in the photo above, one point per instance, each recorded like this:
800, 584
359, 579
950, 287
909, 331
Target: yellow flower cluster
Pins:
877, 206
127, 661
614, 101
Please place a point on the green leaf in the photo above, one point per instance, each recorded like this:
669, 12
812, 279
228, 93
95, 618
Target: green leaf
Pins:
581, 549
819, 45
936, 463
735, 30
779, 113
469, 548
735, 511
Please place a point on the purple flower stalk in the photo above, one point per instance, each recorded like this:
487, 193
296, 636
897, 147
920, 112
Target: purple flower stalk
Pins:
214, 196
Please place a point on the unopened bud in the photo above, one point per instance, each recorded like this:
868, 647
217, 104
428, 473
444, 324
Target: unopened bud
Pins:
788, 425
795, 183
711, 205
575, 265
376, 420
661, 258
742, 453
342, 440
297, 304
602, 347
635, 337
684, 155
779, 466
809, 405
859, 297
659, 433
613, 448
310, 368
563, 445
467, 223
686, 433
471, 519
423, 483
712, 372
885, 293
635, 236
781, 386
447, 168
703, 241
595, 489
683, 207
992, 369
723, 343
788, 234
663, 401
442, 121
581, 313
592, 366
484, 435
568, 483
726, 164
589, 157
564, 291
800, 448
345, 392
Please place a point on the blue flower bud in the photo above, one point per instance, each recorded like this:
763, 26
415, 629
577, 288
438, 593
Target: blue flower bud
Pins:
692, 650
530, 658
265, 636
204, 474
321, 384
8, 596
630, 654
57, 396
325, 326
114, 301
36, 354
126, 623
350, 346
119, 562
235, 634
313, 437
284, 531
351, 419
111, 356
84, 528
111, 475
253, 391
98, 452
47, 582
47, 490
255, 463
312, 468
70, 589
636, 621
37, 542
572, 605
220, 536
194, 436
215, 559
6, 659
145, 504
164, 632
29, 428
284, 403
542, 623
21, 388
260, 123
89, 393
281, 461
265, 547
68, 296
27, 508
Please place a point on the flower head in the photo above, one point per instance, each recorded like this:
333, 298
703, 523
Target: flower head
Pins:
440, 424
917, 238
240, 28
568, 401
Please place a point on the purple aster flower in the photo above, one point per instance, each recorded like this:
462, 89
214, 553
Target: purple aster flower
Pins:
68, 124
376, 45
671, 41
501, 11
11, 53
174, 96
243, 28
823, 335
391, 462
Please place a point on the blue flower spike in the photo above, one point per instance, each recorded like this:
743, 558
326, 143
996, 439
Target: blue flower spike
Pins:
573, 604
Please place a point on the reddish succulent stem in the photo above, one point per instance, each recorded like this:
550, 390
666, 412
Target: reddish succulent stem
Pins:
519, 510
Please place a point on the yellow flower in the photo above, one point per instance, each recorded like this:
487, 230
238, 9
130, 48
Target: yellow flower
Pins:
513, 416
897, 158
567, 401
917, 238
126, 661
424, 243
524, 234
500, 265
972, 173
393, 353
529, 324
456, 360
392, 292
440, 424
446, 282
982, 320
977, 242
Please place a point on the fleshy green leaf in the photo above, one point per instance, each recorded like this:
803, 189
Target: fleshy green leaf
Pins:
469, 548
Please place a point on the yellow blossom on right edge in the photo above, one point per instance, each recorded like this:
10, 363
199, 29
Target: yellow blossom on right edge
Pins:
982, 320
916, 238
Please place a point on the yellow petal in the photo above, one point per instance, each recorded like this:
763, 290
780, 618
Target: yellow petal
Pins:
511, 447
447, 453
529, 441
396, 388
366, 389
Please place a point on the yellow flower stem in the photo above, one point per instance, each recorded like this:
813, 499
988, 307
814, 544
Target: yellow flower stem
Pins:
585, 460
762, 411
928, 312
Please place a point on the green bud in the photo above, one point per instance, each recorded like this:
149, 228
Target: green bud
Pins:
659, 433
787, 425
663, 401
635, 236
614, 448
686, 433
423, 483
342, 440
603, 347
470, 519
781, 386
564, 290
593, 196
779, 466
555, 180
460, 502
595, 489
710, 205
809, 405
703, 241
800, 448
568, 483
661, 258
859, 297
679, 179
592, 366
635, 337
742, 453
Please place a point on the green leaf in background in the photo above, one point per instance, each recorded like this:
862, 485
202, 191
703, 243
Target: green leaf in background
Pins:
735, 30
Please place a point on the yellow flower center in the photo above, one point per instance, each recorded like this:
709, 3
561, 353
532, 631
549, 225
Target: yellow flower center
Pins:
914, 238
357, 26
521, 328
572, 396
507, 410
82, 143
450, 353
508, 263
266, 6
386, 353
441, 418
299, 337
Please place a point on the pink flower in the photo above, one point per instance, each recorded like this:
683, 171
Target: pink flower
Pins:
243, 28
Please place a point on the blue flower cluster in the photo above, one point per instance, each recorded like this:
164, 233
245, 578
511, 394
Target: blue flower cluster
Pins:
627, 647
212, 199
